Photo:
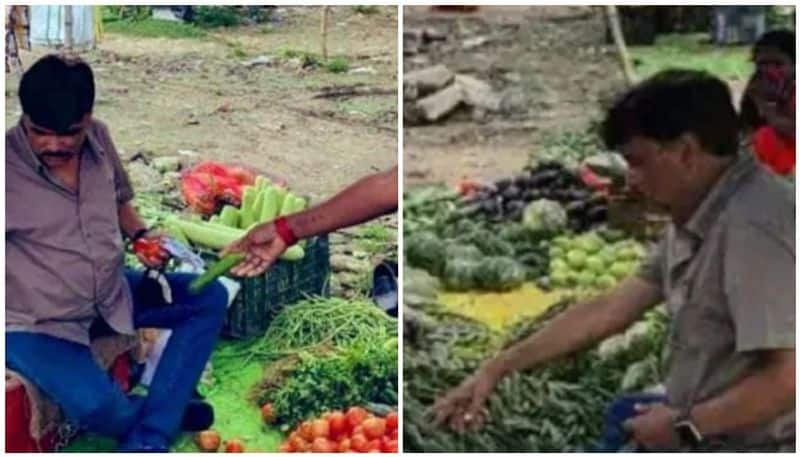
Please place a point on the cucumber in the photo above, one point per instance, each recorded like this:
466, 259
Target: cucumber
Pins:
216, 270
269, 208
294, 253
230, 216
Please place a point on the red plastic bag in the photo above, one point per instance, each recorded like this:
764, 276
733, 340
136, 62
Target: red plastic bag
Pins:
209, 185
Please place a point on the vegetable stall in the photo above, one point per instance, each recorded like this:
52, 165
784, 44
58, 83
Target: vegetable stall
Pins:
297, 369
489, 263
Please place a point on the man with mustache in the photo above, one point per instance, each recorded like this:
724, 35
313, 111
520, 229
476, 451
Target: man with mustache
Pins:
68, 207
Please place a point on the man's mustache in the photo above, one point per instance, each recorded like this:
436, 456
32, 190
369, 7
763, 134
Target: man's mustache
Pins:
56, 154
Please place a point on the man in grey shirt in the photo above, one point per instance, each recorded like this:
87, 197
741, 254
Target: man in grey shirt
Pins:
68, 206
725, 269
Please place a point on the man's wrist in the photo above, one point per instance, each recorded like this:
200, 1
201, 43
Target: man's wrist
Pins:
285, 231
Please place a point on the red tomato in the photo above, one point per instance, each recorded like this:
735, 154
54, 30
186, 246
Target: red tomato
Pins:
391, 421
321, 445
393, 434
357, 431
355, 416
207, 440
374, 446
267, 413
389, 446
298, 444
359, 443
234, 445
344, 445
320, 428
306, 431
337, 423
374, 427
285, 447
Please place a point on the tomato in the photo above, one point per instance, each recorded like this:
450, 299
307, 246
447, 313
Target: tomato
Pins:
374, 427
358, 430
391, 421
234, 445
320, 428
393, 435
298, 444
207, 440
389, 446
355, 416
344, 445
359, 443
267, 413
337, 423
322, 445
374, 446
306, 431
285, 447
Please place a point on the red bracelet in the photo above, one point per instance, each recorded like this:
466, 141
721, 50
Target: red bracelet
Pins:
285, 232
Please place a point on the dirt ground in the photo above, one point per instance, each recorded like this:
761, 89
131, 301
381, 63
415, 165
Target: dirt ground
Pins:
161, 96
552, 63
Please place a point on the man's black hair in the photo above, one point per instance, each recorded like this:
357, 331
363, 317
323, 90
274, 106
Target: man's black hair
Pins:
671, 103
57, 92
782, 40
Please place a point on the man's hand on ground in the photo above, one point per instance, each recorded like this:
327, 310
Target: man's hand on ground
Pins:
654, 427
463, 407
263, 247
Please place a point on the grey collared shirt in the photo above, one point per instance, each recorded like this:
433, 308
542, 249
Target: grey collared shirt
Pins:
728, 280
64, 250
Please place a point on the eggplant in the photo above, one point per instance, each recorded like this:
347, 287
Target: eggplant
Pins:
514, 205
511, 192
531, 195
579, 194
575, 207
522, 181
597, 214
544, 178
576, 224
502, 184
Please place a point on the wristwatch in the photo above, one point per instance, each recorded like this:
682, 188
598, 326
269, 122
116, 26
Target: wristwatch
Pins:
687, 432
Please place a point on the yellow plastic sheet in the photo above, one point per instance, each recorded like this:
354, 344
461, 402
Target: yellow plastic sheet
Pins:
498, 310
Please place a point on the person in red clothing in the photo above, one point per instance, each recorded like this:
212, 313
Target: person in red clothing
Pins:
768, 105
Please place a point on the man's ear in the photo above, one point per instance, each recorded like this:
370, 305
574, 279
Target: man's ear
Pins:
688, 149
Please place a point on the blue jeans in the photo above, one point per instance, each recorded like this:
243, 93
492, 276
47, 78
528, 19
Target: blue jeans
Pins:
615, 438
68, 374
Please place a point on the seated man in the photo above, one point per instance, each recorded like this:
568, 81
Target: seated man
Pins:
68, 206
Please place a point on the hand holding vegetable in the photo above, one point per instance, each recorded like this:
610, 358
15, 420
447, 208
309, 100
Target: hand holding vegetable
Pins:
150, 250
263, 247
462, 407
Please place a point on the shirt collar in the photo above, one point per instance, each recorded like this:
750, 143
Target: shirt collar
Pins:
706, 214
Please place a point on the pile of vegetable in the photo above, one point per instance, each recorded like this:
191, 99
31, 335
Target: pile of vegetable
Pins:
558, 407
261, 202
594, 260
326, 354
510, 198
356, 430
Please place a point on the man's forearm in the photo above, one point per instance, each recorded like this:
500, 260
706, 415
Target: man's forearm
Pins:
581, 326
755, 400
368, 198
129, 220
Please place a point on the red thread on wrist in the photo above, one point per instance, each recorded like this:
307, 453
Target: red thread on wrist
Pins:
285, 232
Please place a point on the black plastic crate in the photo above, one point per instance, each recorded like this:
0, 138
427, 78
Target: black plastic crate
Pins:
262, 297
